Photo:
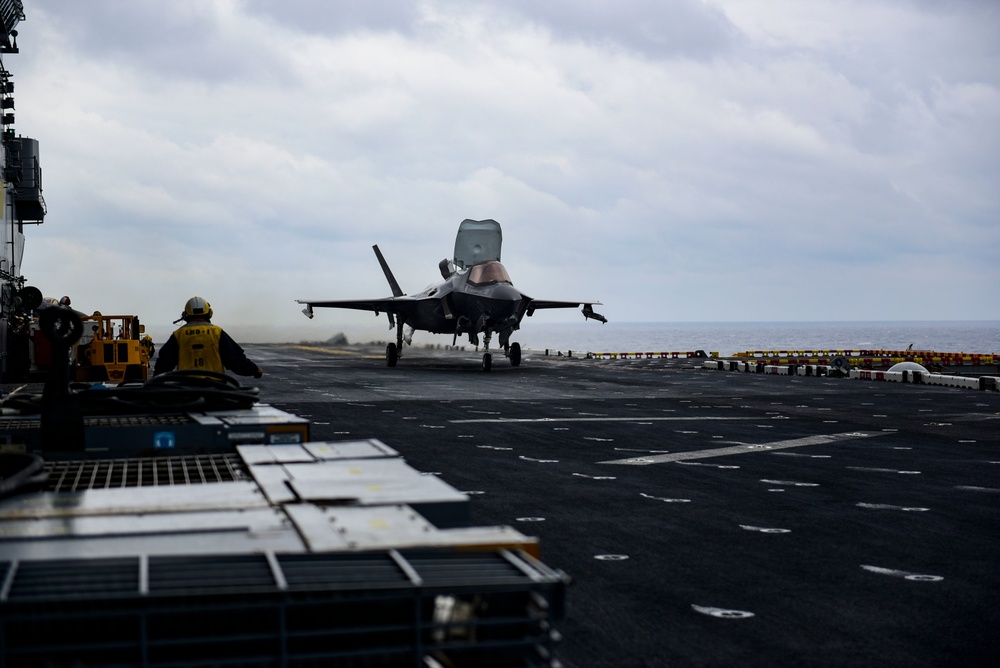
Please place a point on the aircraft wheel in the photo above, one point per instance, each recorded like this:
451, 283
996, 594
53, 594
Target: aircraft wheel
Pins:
515, 354
487, 362
391, 354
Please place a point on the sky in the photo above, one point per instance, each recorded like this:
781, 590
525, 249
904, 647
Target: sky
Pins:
677, 160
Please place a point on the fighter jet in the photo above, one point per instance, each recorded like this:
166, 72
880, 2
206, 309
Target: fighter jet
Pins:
476, 297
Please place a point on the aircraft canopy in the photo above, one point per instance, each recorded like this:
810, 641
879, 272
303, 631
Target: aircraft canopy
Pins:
477, 241
490, 271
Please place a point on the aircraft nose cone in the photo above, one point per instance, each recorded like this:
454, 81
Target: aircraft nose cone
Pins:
504, 300
507, 292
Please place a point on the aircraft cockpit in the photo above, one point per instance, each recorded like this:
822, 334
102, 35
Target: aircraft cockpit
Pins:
490, 271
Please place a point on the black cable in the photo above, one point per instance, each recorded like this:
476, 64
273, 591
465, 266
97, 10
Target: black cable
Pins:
176, 391
21, 472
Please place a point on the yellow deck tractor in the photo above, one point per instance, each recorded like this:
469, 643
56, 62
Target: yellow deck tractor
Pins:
112, 349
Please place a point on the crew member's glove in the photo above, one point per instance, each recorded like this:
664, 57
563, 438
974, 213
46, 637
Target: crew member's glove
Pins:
258, 373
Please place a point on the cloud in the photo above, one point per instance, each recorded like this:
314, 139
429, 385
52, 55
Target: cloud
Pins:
662, 158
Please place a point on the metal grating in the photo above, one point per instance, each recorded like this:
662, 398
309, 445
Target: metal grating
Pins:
238, 573
20, 424
27, 423
56, 579
436, 569
75, 476
342, 571
136, 420
11, 12
64, 579
493, 610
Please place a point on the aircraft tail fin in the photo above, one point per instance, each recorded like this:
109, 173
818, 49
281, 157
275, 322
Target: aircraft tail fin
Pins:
396, 291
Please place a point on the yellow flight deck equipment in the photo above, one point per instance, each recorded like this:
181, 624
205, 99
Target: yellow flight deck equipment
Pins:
112, 349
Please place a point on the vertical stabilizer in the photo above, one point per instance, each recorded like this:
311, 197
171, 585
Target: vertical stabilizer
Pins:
396, 291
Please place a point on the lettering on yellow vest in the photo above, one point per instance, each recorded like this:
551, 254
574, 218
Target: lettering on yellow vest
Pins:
198, 347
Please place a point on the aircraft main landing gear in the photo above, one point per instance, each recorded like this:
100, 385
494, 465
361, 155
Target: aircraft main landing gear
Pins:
514, 353
394, 351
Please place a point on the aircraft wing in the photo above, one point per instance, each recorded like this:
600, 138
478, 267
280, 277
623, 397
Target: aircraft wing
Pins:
403, 305
588, 307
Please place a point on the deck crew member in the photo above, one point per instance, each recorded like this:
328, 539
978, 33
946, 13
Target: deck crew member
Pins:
199, 345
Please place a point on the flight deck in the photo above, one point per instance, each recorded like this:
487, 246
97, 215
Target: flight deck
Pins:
706, 517
626, 510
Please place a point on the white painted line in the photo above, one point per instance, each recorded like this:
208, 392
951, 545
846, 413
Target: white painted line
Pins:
747, 527
664, 499
609, 419
721, 613
918, 577
743, 449
886, 506
791, 483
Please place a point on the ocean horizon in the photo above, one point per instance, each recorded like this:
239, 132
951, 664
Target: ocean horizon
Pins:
731, 337
725, 338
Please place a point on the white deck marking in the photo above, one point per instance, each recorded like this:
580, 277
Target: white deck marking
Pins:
610, 419
722, 613
919, 577
790, 483
886, 506
743, 449
747, 527
664, 499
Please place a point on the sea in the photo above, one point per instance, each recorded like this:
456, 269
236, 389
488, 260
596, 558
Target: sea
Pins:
727, 338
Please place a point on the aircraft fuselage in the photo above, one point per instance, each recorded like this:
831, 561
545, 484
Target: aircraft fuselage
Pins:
457, 305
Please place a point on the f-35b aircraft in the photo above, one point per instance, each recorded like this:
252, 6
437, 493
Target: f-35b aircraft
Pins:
476, 297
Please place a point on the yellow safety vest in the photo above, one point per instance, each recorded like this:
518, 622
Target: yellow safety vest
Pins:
198, 347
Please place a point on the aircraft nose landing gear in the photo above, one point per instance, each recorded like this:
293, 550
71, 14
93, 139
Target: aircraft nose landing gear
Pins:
511, 350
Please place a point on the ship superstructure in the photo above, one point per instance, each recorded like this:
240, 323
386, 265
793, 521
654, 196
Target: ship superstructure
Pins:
23, 204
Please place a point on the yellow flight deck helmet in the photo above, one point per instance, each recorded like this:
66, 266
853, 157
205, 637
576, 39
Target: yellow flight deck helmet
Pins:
197, 306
